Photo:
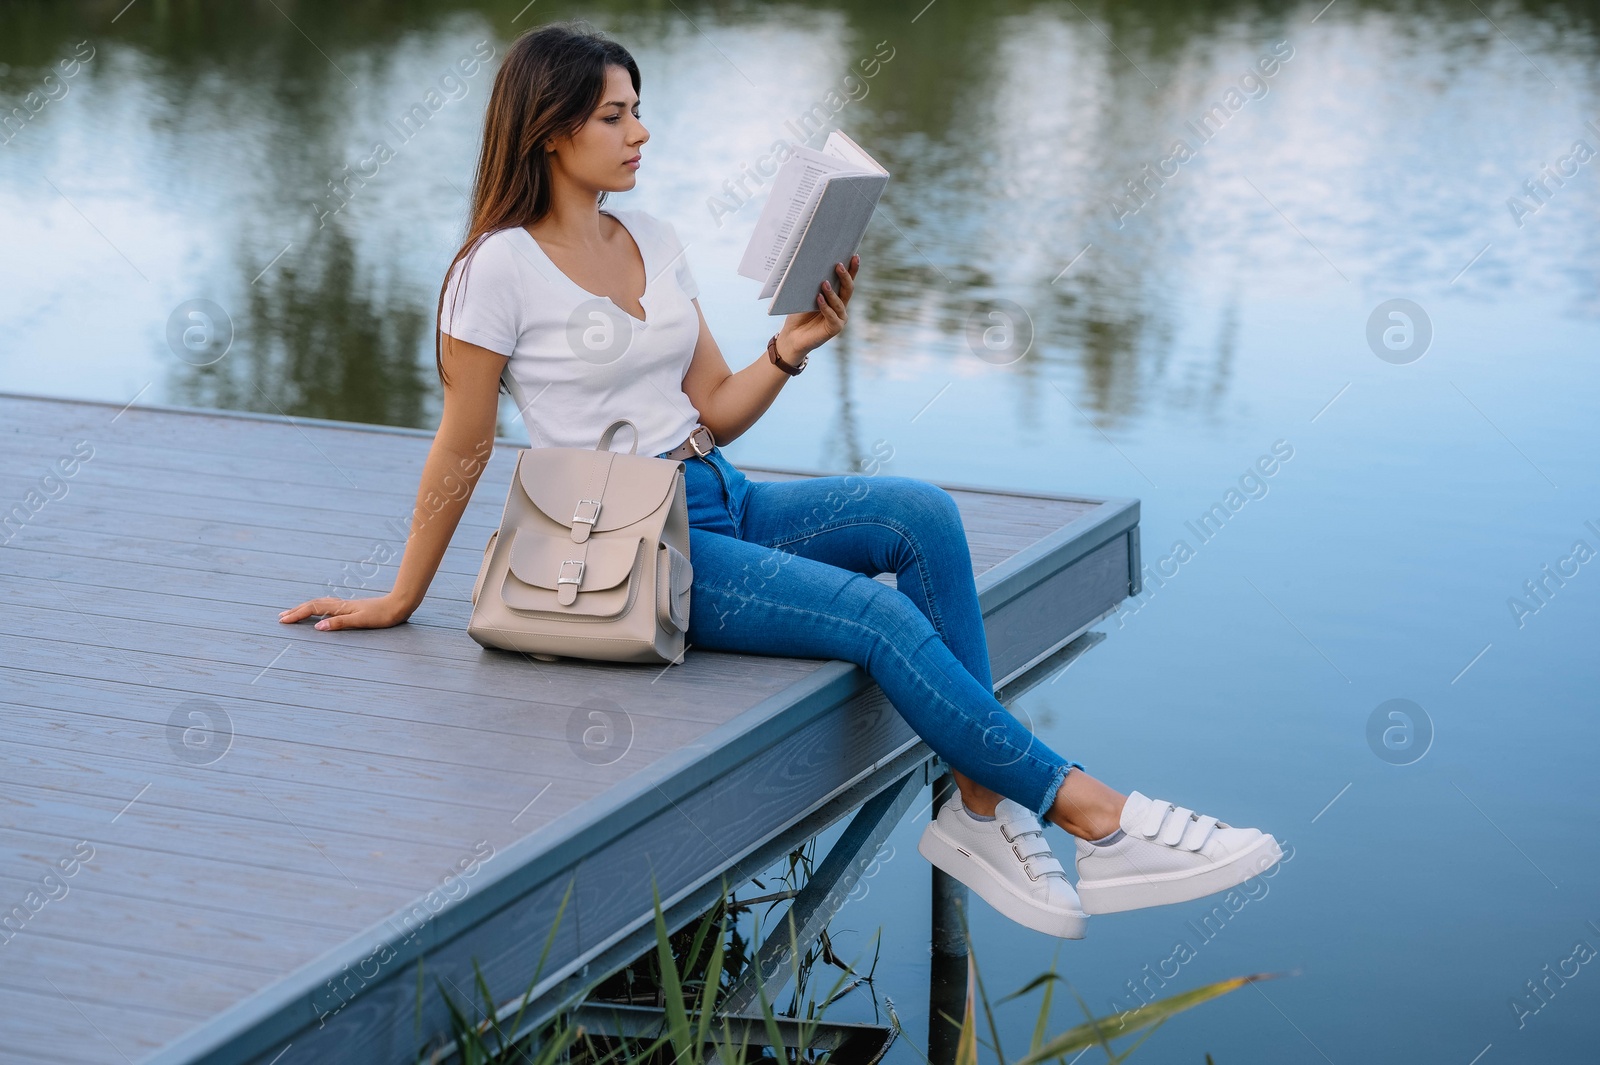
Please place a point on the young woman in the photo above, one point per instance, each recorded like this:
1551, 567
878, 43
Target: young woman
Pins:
596, 314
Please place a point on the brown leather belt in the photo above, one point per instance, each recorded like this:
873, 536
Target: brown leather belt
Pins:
699, 443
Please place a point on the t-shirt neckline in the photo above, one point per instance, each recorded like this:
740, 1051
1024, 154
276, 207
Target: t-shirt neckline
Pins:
648, 279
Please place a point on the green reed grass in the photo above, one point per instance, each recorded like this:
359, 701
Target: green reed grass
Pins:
693, 976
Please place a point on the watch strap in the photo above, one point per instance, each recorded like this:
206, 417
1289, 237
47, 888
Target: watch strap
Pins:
777, 360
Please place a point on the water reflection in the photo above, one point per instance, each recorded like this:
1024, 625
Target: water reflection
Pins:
1016, 139
321, 338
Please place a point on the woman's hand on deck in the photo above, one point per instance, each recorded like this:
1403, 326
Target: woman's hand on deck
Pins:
376, 613
809, 331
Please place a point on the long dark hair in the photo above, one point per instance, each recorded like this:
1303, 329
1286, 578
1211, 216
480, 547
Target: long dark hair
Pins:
551, 81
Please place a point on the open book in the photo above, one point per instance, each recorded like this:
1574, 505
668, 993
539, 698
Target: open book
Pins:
815, 216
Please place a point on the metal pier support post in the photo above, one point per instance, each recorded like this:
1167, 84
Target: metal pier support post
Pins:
947, 965
949, 894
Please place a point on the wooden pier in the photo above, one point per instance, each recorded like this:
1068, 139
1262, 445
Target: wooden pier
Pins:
223, 839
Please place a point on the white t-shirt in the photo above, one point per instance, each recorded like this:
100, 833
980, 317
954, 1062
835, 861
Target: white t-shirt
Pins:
580, 361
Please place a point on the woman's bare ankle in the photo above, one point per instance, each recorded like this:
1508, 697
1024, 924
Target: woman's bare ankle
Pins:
1086, 808
975, 797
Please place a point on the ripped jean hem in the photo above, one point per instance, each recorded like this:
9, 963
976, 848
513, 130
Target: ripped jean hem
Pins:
1054, 789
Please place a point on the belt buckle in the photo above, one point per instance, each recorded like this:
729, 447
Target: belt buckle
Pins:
694, 440
576, 578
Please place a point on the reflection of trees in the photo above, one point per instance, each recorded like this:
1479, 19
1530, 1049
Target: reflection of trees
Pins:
317, 338
1108, 321
845, 443
316, 341
948, 228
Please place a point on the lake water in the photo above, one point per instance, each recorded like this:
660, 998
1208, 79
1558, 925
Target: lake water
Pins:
1417, 540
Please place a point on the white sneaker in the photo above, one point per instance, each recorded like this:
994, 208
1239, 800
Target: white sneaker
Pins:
1168, 854
1008, 863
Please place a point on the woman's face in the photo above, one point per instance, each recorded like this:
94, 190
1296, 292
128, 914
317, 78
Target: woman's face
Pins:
598, 155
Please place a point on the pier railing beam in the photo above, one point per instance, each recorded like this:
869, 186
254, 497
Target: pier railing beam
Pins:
847, 1042
819, 900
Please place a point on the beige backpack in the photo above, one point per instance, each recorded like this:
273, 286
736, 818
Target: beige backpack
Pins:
591, 559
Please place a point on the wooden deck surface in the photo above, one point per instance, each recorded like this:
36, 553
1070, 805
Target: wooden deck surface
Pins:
259, 799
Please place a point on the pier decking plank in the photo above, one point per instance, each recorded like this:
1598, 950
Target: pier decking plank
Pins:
360, 775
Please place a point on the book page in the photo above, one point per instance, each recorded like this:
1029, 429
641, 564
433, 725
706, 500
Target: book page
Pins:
797, 210
840, 146
794, 193
797, 231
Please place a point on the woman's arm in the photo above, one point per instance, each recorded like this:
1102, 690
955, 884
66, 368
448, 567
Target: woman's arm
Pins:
460, 450
729, 403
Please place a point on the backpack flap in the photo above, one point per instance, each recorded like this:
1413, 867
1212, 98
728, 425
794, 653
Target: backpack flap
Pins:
546, 575
569, 492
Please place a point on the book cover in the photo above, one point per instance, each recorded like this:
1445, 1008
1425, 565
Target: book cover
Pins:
832, 235
815, 216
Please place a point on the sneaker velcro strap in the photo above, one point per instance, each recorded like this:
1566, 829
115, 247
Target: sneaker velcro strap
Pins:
1042, 849
1154, 814
1022, 826
1198, 832
1172, 830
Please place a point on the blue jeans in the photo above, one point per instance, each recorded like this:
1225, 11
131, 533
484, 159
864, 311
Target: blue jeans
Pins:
786, 568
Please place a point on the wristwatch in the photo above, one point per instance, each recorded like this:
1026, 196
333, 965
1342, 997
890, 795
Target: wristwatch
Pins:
777, 360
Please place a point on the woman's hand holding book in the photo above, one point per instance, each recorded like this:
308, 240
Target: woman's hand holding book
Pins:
808, 331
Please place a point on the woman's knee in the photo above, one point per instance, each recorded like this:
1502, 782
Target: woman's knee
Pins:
919, 503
